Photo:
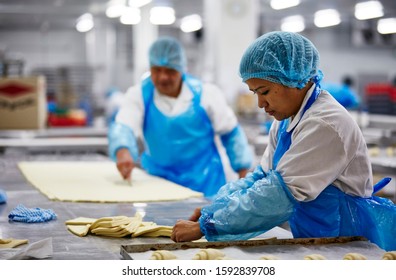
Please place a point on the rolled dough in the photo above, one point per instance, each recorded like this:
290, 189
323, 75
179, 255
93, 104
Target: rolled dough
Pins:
99, 182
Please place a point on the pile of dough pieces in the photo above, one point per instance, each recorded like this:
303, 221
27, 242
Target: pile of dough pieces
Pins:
117, 226
214, 254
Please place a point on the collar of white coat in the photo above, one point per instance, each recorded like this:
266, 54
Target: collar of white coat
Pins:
299, 114
185, 94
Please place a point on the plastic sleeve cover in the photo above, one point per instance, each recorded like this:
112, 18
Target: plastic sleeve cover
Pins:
237, 148
249, 211
242, 183
122, 136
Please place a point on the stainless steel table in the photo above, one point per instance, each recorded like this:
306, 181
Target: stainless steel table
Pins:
67, 246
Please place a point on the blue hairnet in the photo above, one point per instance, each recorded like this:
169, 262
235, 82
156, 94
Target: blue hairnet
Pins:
285, 58
167, 52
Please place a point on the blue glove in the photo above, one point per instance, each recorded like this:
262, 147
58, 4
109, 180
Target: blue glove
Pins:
3, 196
31, 215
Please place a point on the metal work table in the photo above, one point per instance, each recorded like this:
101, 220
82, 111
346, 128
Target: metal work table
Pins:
81, 145
56, 139
67, 246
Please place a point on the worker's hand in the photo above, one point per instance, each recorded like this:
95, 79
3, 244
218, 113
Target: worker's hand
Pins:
243, 172
125, 163
186, 231
195, 216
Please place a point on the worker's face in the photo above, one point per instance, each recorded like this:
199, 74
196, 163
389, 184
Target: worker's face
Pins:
277, 100
167, 81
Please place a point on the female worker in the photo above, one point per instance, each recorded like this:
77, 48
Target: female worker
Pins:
178, 117
315, 172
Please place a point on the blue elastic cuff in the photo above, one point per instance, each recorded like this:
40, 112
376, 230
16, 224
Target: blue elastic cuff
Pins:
206, 226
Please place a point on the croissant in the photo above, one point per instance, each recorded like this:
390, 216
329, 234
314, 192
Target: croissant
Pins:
208, 254
354, 256
162, 255
389, 255
268, 257
314, 257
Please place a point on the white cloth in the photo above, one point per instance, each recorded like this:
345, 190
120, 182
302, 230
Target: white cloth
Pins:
221, 115
327, 148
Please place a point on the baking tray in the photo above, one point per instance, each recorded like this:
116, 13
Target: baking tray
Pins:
127, 251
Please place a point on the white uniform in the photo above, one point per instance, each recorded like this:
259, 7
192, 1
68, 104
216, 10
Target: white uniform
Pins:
221, 115
327, 148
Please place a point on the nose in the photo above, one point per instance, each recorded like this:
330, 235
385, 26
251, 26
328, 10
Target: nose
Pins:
261, 101
162, 76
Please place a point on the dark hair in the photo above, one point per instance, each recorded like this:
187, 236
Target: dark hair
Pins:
347, 80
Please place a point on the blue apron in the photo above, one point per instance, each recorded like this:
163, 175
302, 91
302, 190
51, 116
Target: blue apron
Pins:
182, 148
335, 213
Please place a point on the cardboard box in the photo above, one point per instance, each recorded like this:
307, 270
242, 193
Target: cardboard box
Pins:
23, 103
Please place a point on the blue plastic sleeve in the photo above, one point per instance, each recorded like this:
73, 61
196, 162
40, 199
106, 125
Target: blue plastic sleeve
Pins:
121, 136
237, 148
248, 211
242, 183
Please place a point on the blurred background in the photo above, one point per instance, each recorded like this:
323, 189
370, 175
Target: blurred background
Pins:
80, 56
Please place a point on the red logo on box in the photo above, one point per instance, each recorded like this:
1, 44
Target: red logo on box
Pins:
15, 90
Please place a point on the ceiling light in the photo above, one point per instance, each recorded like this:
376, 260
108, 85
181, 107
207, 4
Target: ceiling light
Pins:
386, 25
115, 11
191, 23
367, 10
293, 24
162, 15
328, 17
131, 15
283, 4
138, 3
85, 23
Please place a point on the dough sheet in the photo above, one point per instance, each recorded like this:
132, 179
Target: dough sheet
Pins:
95, 181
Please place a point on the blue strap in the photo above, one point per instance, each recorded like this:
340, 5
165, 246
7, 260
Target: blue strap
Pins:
381, 184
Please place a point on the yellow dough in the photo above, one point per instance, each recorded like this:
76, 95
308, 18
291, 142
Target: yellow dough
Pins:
97, 181
208, 254
80, 221
162, 255
11, 243
389, 255
111, 222
117, 226
354, 256
164, 231
114, 232
268, 257
151, 229
374, 152
389, 151
79, 230
314, 257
